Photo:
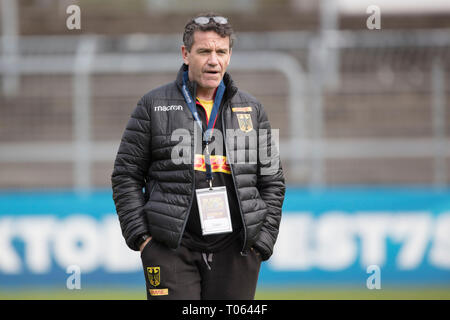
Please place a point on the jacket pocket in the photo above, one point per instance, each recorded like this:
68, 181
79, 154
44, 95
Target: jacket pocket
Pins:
147, 246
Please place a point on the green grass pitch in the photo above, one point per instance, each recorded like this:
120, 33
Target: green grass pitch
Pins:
261, 294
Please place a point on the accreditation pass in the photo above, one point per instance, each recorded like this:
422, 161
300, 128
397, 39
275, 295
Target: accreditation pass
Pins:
214, 210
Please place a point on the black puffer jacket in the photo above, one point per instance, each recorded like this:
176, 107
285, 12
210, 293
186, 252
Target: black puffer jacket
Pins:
153, 194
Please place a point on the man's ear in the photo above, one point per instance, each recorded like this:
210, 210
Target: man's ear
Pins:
185, 54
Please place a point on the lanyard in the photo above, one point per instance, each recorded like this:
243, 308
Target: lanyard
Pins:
212, 119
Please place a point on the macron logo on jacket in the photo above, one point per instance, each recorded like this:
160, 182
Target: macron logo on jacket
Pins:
169, 108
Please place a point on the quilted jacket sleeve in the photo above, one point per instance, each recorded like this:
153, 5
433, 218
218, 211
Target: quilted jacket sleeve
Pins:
128, 177
271, 185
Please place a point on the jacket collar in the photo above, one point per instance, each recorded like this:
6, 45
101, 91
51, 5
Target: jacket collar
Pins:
230, 86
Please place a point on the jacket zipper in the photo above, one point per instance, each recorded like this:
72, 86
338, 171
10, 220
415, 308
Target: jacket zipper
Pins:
192, 197
193, 185
234, 184
243, 252
189, 209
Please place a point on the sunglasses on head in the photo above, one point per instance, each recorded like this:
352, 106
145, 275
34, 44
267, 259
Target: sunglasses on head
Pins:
205, 20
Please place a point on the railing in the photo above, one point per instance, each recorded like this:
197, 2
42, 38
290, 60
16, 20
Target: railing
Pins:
306, 148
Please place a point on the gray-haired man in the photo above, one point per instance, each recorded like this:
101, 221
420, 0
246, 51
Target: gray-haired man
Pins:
203, 226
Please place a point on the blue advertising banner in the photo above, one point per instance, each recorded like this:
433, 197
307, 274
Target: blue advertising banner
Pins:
327, 237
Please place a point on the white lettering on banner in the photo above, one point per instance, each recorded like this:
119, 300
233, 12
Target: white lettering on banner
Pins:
440, 251
9, 259
335, 243
36, 231
76, 240
293, 248
117, 257
372, 229
413, 230
329, 242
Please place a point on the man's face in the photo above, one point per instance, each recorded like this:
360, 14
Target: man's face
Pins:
208, 59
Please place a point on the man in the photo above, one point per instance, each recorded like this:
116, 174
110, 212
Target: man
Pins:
204, 212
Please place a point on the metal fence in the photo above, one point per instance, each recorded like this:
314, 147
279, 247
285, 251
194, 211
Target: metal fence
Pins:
352, 107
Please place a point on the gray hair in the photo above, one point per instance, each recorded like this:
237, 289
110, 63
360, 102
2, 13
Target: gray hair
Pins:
223, 30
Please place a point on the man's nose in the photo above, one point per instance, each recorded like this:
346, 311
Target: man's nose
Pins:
213, 59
